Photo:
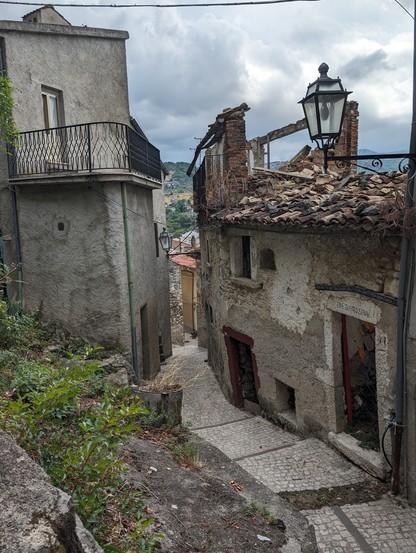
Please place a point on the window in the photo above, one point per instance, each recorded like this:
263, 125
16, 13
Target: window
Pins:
52, 108
210, 313
240, 257
156, 230
245, 257
267, 260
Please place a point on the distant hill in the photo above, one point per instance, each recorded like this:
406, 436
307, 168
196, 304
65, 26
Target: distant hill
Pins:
388, 164
178, 180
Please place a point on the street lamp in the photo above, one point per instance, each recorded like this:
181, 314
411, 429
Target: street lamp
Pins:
324, 108
165, 239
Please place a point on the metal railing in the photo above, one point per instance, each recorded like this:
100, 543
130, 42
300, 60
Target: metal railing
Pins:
88, 147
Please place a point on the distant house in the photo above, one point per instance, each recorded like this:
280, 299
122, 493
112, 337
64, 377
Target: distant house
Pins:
81, 200
299, 279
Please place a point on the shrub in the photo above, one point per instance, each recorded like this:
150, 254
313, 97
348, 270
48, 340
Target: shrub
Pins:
30, 376
77, 439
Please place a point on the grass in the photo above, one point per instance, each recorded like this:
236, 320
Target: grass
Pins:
256, 510
187, 455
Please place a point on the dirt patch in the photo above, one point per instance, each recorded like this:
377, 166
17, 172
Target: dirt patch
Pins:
195, 510
362, 492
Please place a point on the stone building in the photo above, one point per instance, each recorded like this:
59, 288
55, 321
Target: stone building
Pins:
81, 195
299, 281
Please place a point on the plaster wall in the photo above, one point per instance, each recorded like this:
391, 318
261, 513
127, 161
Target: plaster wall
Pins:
162, 271
297, 329
73, 259
87, 65
144, 254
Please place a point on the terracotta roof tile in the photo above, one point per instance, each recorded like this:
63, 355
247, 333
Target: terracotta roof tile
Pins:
348, 203
184, 261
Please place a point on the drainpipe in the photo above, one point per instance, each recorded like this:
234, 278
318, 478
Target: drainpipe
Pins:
130, 283
18, 250
402, 313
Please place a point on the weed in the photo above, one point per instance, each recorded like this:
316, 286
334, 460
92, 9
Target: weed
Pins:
255, 509
187, 456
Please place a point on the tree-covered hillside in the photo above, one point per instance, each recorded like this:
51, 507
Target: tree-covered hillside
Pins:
177, 180
180, 217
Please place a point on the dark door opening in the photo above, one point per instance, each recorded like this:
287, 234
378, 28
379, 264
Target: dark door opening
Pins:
243, 369
360, 381
144, 324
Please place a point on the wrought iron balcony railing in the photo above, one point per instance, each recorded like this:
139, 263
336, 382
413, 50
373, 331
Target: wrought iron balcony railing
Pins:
88, 147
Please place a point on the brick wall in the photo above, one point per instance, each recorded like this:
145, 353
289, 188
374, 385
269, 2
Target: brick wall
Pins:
226, 162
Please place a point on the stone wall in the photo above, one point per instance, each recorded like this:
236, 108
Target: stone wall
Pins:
176, 308
36, 517
295, 327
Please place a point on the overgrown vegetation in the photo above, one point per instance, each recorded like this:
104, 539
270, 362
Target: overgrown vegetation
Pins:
56, 404
8, 130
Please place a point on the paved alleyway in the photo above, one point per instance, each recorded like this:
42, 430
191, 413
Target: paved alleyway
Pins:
284, 462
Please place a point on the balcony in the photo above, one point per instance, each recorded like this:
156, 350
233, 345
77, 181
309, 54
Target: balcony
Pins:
87, 148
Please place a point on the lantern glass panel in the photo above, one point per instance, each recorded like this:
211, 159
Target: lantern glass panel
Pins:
311, 116
330, 86
331, 108
165, 240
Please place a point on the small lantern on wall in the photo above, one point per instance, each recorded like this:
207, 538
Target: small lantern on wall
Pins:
165, 239
324, 108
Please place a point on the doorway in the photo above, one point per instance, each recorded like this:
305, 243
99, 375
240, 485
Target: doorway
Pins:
360, 381
144, 324
243, 370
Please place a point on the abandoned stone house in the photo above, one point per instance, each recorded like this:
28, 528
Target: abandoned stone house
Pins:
81, 200
299, 279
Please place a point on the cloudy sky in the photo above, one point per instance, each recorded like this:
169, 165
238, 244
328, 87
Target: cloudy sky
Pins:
187, 64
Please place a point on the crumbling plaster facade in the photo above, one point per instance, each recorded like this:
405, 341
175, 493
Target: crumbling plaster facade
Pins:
282, 312
296, 329
72, 238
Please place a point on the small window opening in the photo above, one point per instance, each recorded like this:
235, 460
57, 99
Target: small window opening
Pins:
246, 256
267, 260
61, 226
286, 400
210, 313
156, 230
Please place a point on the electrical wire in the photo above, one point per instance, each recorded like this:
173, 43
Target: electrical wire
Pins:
143, 216
190, 5
390, 425
407, 11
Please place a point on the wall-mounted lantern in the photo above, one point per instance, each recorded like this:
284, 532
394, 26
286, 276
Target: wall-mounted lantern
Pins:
165, 239
324, 108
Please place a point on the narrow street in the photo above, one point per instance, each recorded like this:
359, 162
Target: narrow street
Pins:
284, 462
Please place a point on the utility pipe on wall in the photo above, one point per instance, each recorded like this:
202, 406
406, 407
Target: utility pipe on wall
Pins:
346, 370
402, 312
18, 249
130, 283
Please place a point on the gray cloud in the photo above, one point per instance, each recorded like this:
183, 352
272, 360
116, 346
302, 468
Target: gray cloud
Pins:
361, 67
186, 65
